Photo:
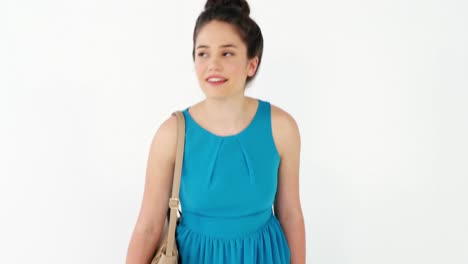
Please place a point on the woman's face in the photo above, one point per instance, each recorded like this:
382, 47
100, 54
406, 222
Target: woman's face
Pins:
221, 61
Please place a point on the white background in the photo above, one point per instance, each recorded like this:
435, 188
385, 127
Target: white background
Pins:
378, 88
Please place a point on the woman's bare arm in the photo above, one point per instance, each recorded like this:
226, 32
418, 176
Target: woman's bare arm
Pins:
157, 191
287, 203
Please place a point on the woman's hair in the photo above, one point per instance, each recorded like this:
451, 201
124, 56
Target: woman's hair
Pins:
235, 13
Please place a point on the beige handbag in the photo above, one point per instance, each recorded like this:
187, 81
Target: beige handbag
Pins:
167, 251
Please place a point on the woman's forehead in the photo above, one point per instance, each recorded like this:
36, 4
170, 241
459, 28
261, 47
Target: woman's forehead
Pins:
218, 34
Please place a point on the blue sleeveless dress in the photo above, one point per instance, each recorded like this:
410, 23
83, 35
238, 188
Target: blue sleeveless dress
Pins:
228, 186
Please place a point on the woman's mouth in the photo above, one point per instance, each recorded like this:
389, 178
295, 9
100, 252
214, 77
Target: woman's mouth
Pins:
216, 80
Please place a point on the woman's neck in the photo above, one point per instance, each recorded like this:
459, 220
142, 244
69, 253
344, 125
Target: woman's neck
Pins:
227, 115
232, 109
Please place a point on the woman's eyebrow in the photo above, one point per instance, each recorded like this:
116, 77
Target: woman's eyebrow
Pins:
222, 46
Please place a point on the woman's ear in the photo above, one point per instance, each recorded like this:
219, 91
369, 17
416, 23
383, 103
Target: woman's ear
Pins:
252, 66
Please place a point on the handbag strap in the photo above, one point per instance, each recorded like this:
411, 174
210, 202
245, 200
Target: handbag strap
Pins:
174, 200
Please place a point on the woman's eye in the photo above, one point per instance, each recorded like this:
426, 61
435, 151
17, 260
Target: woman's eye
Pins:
201, 54
230, 53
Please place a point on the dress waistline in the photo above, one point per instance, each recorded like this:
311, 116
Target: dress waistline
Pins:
227, 226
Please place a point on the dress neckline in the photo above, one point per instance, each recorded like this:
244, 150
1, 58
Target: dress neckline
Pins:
232, 135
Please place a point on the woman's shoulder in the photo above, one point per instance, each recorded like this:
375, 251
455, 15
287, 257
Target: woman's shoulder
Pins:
285, 129
165, 138
281, 117
168, 127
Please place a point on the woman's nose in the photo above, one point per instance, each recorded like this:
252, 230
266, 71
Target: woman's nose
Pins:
214, 64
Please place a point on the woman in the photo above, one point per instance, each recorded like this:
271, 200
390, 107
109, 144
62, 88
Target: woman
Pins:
241, 159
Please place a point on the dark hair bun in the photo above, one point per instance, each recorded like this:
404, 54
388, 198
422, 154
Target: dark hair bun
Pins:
242, 4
